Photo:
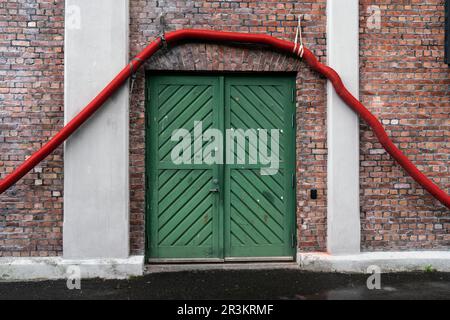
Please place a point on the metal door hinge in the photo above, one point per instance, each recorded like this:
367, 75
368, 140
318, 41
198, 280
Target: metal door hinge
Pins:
293, 94
146, 182
293, 181
293, 120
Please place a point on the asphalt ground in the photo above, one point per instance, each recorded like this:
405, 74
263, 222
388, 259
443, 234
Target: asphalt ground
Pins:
240, 285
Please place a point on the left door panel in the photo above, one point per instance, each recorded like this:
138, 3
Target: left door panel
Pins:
182, 207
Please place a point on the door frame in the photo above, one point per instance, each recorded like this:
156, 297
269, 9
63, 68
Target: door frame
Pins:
292, 141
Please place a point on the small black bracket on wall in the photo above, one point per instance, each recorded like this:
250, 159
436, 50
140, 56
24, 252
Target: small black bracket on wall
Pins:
447, 31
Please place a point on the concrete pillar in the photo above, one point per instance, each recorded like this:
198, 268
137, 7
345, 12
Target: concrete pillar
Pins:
343, 129
96, 187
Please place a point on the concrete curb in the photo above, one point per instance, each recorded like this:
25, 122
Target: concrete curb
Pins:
164, 268
54, 268
386, 261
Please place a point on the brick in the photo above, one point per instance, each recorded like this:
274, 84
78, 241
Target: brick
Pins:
404, 82
404, 70
24, 114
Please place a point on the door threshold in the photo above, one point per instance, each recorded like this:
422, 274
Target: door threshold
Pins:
219, 260
259, 259
209, 266
184, 260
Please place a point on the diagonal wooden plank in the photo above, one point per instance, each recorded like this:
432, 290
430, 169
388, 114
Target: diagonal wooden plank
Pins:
207, 240
272, 91
280, 184
186, 95
270, 181
168, 92
238, 124
272, 119
164, 176
281, 94
171, 234
170, 184
241, 95
198, 233
256, 94
166, 144
166, 149
189, 102
234, 236
246, 121
254, 202
262, 95
194, 222
185, 114
176, 218
174, 100
268, 232
186, 188
265, 187
252, 238
262, 202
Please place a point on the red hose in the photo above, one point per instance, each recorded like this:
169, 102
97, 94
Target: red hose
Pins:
218, 36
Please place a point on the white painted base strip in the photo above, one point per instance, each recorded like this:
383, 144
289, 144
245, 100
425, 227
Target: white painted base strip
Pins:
387, 261
54, 268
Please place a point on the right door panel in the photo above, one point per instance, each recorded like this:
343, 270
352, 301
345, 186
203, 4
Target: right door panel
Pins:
259, 197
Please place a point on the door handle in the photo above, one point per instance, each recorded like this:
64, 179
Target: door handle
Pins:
215, 187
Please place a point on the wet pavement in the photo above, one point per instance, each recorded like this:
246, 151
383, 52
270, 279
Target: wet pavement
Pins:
240, 284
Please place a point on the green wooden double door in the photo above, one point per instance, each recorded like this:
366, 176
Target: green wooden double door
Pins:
225, 194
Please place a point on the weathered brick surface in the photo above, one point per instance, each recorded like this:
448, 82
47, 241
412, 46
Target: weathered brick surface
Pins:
405, 82
31, 111
267, 17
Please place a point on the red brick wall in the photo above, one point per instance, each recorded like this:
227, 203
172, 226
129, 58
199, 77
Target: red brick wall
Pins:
31, 111
277, 18
405, 82
405, 55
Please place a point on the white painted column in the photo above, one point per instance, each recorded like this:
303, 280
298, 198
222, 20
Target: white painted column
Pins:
343, 129
96, 187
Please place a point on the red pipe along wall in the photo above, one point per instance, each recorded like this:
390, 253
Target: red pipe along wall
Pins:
242, 38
